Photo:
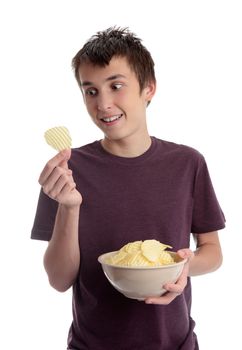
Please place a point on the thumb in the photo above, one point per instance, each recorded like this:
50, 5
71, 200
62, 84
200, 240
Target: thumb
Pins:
186, 253
66, 154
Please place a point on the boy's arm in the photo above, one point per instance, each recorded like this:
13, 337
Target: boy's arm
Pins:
62, 257
208, 255
206, 258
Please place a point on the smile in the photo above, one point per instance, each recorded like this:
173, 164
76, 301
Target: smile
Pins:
111, 119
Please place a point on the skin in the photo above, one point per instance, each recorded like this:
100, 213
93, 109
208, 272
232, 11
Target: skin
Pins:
62, 257
114, 90
109, 91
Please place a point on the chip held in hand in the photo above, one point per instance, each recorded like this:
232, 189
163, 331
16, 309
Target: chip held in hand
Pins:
58, 137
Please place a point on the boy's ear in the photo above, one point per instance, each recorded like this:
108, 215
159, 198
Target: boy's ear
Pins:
150, 90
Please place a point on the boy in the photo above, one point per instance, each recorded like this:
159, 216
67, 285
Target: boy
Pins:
128, 186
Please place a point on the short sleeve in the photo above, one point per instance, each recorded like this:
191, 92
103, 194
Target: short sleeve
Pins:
44, 218
207, 214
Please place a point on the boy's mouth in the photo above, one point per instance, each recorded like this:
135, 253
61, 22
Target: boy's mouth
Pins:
111, 119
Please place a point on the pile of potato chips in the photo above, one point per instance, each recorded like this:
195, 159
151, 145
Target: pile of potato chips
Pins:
148, 253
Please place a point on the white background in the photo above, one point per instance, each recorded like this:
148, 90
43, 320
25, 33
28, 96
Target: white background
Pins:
197, 49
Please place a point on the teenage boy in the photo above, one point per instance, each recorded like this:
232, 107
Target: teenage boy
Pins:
128, 186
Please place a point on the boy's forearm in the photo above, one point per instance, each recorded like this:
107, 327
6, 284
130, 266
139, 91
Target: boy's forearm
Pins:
207, 258
62, 257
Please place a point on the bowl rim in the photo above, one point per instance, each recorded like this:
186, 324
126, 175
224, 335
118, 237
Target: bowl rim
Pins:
101, 257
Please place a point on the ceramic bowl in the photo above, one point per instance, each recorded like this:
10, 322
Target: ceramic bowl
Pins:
142, 282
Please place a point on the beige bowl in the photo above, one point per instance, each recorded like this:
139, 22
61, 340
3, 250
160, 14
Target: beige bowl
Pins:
142, 282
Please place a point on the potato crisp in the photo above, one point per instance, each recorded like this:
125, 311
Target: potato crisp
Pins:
58, 137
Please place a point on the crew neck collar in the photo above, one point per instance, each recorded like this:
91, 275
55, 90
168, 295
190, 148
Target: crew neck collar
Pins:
128, 160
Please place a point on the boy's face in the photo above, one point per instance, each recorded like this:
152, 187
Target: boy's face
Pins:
113, 99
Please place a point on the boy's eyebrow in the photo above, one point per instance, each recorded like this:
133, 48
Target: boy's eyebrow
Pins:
112, 77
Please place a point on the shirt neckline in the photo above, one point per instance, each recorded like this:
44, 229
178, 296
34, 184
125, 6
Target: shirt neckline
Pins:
128, 160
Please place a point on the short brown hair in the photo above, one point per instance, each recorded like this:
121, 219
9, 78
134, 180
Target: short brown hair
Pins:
120, 42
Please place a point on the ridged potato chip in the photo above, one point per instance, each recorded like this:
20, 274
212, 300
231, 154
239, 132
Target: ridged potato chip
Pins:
165, 258
115, 259
129, 260
140, 260
58, 137
151, 249
134, 259
132, 247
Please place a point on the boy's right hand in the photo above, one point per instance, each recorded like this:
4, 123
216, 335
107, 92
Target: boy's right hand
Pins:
57, 181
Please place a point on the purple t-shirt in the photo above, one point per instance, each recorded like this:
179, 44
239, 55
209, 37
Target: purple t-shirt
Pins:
164, 194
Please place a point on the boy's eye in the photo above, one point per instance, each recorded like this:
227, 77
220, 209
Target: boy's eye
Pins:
116, 86
91, 92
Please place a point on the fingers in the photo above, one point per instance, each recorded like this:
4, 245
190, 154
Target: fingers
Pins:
67, 155
186, 253
163, 300
59, 160
173, 289
59, 181
64, 193
56, 179
180, 284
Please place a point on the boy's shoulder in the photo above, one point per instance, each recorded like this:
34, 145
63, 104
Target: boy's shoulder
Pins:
178, 149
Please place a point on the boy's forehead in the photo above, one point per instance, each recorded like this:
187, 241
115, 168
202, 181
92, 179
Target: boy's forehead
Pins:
118, 66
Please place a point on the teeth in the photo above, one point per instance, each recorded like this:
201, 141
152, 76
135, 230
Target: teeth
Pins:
111, 119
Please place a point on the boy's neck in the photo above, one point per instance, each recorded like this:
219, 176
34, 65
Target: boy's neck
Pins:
128, 147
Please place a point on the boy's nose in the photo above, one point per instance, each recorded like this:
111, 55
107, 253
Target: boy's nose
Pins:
104, 103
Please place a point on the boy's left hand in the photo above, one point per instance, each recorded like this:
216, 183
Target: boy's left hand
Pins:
174, 289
